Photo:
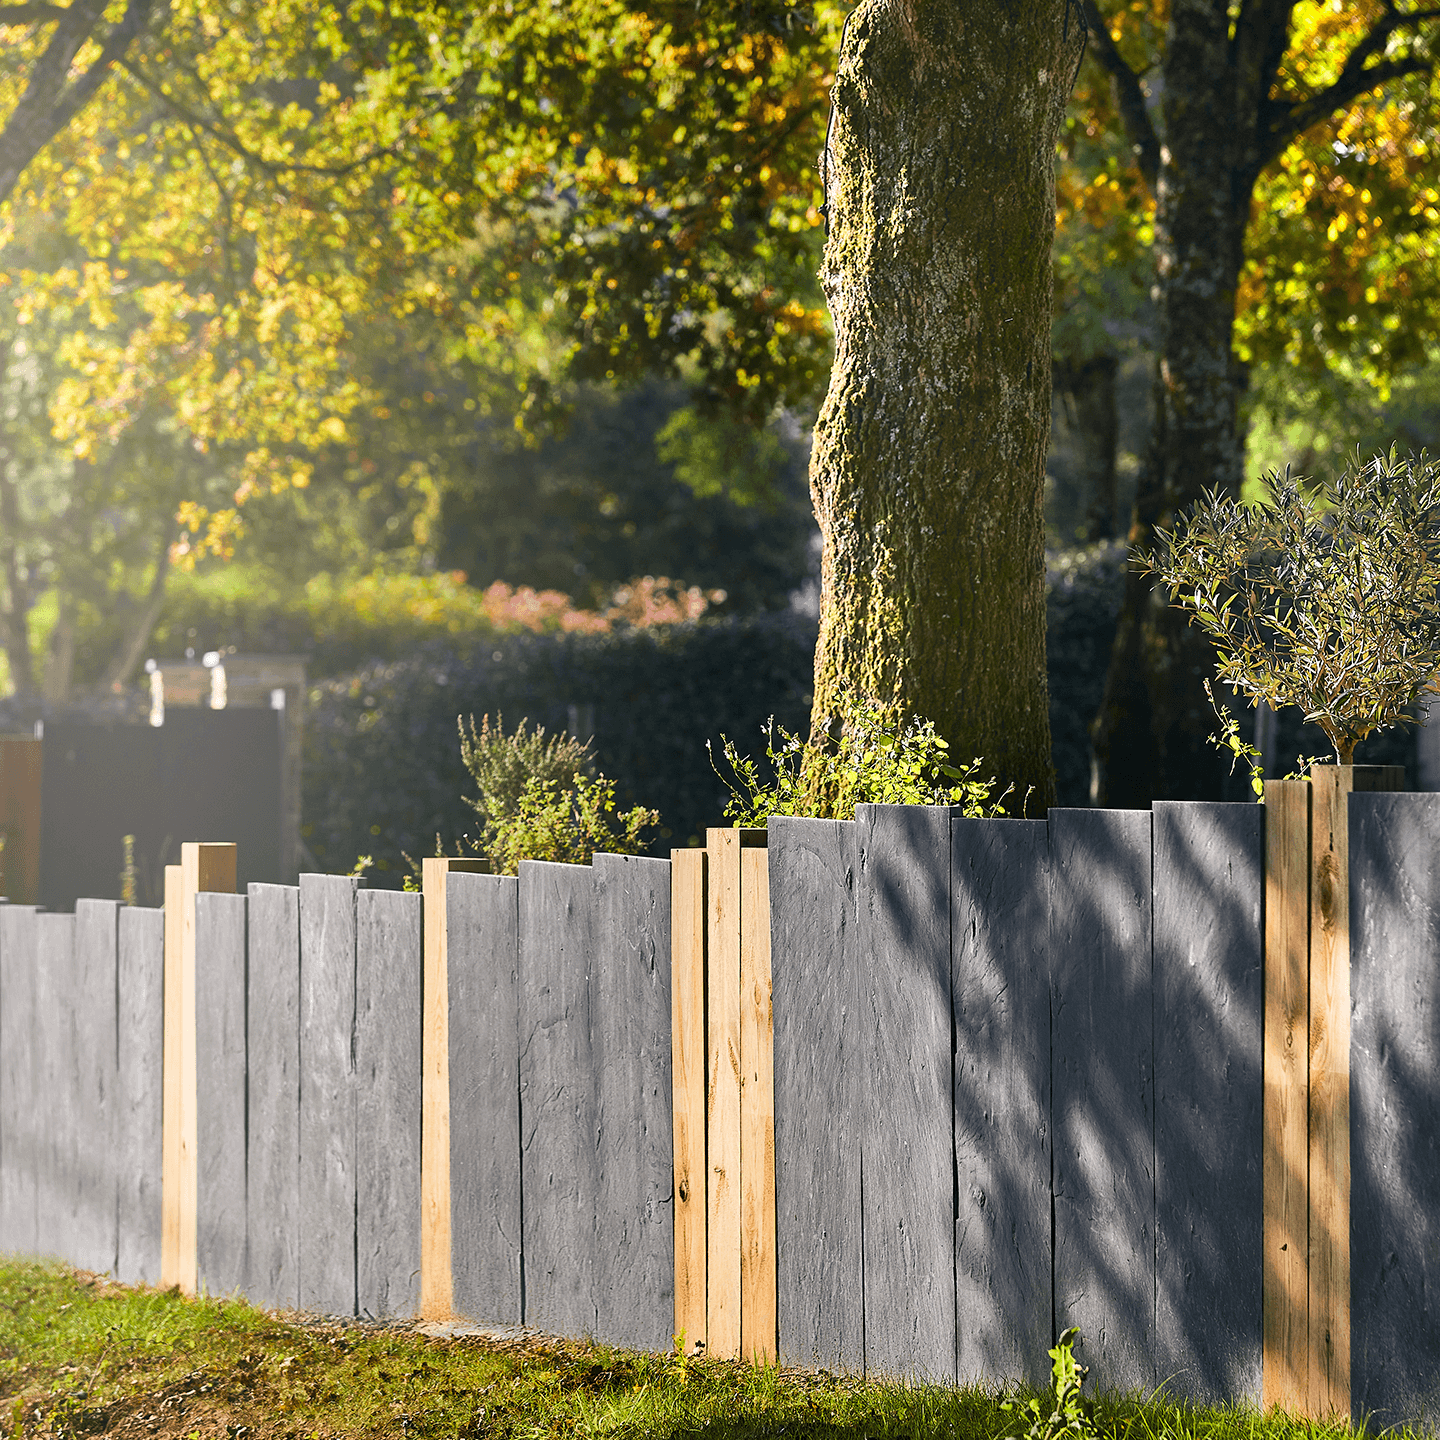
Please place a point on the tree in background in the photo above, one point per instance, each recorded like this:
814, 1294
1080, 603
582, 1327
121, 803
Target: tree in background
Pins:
1224, 107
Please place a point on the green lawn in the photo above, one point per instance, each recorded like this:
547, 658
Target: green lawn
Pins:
80, 1356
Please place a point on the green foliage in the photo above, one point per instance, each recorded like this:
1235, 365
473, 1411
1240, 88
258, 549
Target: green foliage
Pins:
878, 758
1327, 599
1229, 741
537, 802
1063, 1412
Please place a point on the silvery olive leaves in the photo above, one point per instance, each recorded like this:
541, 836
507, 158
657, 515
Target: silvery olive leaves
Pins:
1325, 596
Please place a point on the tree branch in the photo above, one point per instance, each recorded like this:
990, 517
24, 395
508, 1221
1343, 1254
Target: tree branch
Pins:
30, 14
1129, 95
48, 104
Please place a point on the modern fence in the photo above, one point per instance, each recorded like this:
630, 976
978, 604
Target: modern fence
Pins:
906, 1094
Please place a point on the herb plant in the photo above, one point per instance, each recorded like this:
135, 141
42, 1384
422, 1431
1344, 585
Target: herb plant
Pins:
1323, 596
1062, 1414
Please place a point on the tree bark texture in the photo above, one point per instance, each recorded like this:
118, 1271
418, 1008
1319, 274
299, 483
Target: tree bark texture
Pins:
928, 465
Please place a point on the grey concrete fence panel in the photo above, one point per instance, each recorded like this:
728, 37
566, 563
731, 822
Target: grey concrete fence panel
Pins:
57, 1087
273, 1047
1103, 1077
387, 1098
634, 1276
139, 1089
815, 960
1209, 1100
559, 1167
907, 1109
95, 1036
220, 1084
483, 941
1395, 1107
20, 1132
327, 1094
1000, 924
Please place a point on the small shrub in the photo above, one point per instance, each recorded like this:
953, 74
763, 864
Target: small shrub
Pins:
877, 758
1063, 1414
1326, 598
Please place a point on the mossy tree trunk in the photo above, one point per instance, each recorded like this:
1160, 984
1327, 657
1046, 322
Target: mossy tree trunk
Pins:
929, 456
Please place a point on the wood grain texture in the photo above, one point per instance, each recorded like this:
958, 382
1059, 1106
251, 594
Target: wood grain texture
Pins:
55, 1088
687, 1060
815, 959
908, 1137
1285, 1160
171, 1083
387, 1099
140, 1085
94, 1039
630, 1026
20, 1133
221, 1058
1103, 1078
273, 1194
1209, 1098
1394, 894
722, 1094
327, 1094
757, 1115
483, 921
1000, 929
559, 1166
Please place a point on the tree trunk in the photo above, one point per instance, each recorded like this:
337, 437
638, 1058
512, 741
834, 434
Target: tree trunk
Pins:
929, 457
1150, 737
60, 661
142, 624
16, 617
1088, 387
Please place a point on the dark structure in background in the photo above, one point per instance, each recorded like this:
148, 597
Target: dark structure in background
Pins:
210, 773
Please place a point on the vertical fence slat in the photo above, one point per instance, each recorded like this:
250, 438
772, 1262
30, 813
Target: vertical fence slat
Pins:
907, 1177
95, 1033
1103, 1089
327, 1094
1286, 1077
687, 1058
19, 1101
482, 948
56, 1084
757, 1115
815, 958
1395, 1097
170, 1226
140, 1088
1209, 881
272, 1274
559, 1165
722, 1077
630, 1023
1000, 926
220, 1075
387, 1063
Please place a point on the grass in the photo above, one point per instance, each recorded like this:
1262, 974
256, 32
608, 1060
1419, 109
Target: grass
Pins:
80, 1356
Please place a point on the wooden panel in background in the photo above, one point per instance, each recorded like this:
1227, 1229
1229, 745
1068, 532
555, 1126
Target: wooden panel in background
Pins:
559, 1166
220, 1083
1209, 1098
1000, 929
1286, 1077
140, 1093
630, 1024
388, 965
757, 1115
327, 1094
19, 1118
908, 1179
1100, 964
815, 959
273, 1161
687, 1059
482, 958
20, 770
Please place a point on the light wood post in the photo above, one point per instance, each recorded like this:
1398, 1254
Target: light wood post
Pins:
437, 1295
687, 1069
201, 867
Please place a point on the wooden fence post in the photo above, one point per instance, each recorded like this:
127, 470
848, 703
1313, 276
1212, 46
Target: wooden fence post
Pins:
201, 867
437, 1291
687, 1070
